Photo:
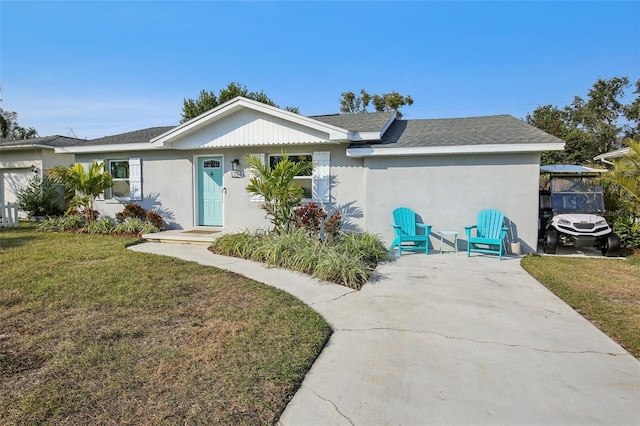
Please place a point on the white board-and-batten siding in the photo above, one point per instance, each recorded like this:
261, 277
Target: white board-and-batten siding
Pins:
250, 128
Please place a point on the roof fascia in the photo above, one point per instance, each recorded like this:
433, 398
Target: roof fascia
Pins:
23, 147
335, 133
86, 149
361, 152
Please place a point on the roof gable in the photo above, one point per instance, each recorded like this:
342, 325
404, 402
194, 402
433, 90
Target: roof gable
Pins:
244, 122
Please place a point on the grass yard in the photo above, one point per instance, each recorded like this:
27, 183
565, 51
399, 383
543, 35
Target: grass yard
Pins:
605, 291
92, 333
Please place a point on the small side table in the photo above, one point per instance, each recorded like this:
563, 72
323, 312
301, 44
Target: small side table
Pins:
455, 241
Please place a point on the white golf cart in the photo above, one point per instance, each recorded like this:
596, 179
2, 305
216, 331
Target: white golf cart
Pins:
571, 210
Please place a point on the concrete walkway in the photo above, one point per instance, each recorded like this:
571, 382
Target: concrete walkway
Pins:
449, 340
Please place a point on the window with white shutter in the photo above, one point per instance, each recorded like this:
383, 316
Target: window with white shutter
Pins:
127, 179
263, 159
322, 177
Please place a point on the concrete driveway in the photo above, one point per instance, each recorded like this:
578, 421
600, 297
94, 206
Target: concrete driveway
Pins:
450, 340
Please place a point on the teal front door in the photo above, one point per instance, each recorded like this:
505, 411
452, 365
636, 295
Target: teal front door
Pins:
210, 191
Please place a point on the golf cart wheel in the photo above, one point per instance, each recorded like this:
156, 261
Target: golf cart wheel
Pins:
550, 242
611, 246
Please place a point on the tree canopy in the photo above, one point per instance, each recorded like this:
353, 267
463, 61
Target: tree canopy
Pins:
350, 103
209, 100
11, 130
590, 126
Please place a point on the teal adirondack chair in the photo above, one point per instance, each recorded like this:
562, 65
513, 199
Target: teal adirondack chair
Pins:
490, 233
405, 227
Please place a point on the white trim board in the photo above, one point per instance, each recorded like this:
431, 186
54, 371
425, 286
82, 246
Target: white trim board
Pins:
372, 151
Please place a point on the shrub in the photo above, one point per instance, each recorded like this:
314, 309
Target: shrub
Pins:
41, 197
155, 219
278, 189
309, 218
83, 185
628, 230
133, 210
332, 226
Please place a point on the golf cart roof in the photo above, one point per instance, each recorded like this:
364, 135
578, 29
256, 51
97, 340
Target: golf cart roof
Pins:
569, 168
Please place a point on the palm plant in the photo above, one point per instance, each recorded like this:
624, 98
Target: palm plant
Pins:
626, 172
278, 189
83, 186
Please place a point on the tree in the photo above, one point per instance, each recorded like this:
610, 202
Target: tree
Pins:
350, 103
277, 186
592, 126
11, 130
208, 100
632, 113
599, 115
83, 186
42, 197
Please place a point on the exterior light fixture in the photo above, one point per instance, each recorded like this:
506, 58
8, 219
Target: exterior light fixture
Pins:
235, 165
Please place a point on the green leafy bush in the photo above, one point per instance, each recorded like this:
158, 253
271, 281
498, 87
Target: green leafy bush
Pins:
41, 197
278, 189
628, 230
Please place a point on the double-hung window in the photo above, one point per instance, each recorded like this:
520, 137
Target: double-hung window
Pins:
127, 181
305, 181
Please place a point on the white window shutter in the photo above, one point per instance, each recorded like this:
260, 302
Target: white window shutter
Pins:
86, 167
322, 177
135, 179
263, 159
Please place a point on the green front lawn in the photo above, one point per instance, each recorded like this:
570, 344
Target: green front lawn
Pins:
92, 333
605, 291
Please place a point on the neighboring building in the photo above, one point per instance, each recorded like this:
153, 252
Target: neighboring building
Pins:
20, 160
367, 164
612, 155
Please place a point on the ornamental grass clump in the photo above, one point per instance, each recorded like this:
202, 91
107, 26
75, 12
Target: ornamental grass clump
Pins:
134, 220
100, 226
349, 260
63, 223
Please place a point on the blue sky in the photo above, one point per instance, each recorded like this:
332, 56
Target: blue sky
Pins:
97, 68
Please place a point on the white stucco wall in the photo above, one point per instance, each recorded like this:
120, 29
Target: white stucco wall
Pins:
168, 186
449, 191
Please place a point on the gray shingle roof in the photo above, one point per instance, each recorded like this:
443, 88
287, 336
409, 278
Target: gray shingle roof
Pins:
137, 136
369, 122
495, 129
52, 141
